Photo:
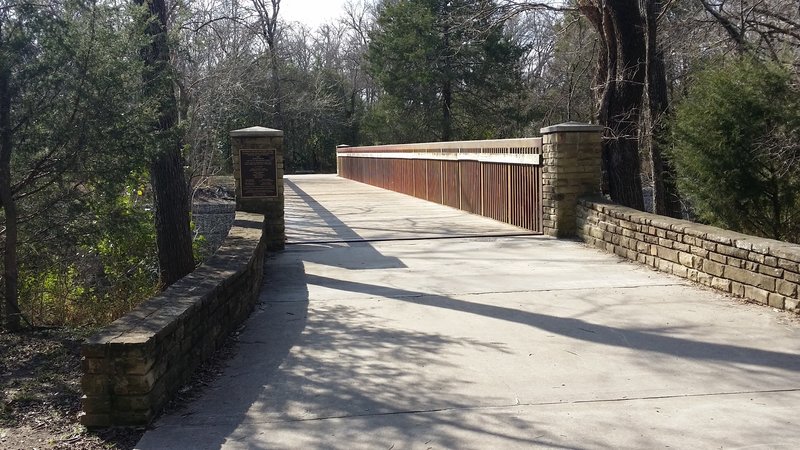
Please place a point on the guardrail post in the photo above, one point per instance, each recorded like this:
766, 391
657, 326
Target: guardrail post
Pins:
339, 169
571, 168
258, 169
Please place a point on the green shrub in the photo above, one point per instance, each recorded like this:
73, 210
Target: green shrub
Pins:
736, 148
107, 273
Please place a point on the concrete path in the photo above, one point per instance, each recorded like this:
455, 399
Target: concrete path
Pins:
382, 327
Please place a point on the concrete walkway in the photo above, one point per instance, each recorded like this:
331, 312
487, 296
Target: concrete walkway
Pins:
383, 327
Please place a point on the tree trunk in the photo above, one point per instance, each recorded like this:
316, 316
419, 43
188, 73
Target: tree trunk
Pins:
447, 84
170, 191
276, 80
619, 24
447, 103
268, 15
665, 193
11, 316
352, 118
173, 233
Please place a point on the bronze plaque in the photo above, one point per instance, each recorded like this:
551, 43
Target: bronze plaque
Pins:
259, 173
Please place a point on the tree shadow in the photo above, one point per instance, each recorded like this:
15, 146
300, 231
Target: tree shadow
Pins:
311, 373
311, 222
321, 222
344, 375
650, 340
339, 362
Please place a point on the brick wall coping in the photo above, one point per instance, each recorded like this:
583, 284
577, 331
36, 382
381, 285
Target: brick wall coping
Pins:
133, 366
759, 269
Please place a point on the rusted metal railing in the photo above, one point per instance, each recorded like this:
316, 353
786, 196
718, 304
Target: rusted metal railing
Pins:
500, 179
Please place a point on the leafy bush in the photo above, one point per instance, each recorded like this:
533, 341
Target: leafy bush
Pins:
736, 148
104, 275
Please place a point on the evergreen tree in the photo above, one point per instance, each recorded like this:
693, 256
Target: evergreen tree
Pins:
737, 148
70, 124
447, 70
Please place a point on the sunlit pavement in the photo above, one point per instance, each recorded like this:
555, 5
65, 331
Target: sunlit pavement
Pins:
391, 322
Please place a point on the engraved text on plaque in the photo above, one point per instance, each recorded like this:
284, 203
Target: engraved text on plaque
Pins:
259, 173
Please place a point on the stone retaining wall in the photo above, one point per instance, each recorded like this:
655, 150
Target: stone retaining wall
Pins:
213, 220
134, 366
758, 269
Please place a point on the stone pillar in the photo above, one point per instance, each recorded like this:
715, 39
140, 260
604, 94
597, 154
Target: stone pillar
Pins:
571, 168
258, 169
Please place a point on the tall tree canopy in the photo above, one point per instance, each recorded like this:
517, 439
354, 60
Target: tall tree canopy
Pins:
70, 135
737, 148
448, 72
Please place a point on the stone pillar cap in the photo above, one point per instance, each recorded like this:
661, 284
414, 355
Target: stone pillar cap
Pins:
571, 127
256, 132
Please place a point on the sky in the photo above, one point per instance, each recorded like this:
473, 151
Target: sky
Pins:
311, 12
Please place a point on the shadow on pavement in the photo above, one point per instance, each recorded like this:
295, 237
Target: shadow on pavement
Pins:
347, 377
643, 340
346, 238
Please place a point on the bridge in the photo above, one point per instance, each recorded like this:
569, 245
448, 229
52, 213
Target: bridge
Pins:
392, 322
460, 295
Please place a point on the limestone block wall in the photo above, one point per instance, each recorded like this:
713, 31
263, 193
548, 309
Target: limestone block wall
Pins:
134, 366
763, 270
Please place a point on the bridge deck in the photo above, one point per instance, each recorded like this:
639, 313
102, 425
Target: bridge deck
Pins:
373, 333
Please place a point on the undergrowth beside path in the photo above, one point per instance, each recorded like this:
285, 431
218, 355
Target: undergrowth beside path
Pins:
40, 390
40, 393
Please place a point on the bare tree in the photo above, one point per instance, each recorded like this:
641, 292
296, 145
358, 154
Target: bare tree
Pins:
217, 80
665, 193
768, 27
359, 21
267, 13
561, 54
